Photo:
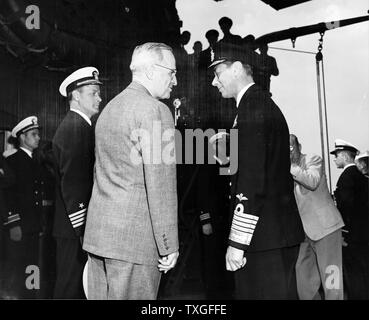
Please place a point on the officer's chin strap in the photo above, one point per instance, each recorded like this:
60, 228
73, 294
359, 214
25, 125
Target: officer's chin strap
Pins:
320, 66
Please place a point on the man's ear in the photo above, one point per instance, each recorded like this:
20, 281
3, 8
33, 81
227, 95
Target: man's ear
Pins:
75, 95
22, 137
237, 67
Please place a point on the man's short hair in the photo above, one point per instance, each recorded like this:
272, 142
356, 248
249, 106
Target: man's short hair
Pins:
70, 94
348, 154
248, 69
146, 54
294, 137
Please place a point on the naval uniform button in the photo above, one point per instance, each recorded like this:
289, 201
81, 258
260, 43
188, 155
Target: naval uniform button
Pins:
36, 192
229, 197
36, 203
230, 184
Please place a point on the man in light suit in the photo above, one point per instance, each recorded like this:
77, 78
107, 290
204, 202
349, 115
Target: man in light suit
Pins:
131, 232
320, 256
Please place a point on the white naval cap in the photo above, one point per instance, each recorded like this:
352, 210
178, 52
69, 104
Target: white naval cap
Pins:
25, 125
362, 155
79, 78
340, 145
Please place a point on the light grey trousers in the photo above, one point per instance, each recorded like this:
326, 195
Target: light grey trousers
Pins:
110, 279
320, 263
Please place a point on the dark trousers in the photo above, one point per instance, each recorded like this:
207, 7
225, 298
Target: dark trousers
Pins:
21, 273
70, 261
268, 275
356, 271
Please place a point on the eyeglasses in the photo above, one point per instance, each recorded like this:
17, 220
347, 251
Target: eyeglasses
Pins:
172, 71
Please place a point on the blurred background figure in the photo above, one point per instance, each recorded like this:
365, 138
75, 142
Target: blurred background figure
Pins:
225, 25
182, 66
195, 56
206, 55
267, 68
24, 200
362, 163
248, 42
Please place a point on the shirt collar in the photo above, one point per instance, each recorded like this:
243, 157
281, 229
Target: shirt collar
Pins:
82, 115
242, 92
348, 165
27, 151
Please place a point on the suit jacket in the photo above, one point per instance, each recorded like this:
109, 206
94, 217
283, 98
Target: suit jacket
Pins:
265, 214
352, 201
24, 197
318, 213
133, 209
73, 148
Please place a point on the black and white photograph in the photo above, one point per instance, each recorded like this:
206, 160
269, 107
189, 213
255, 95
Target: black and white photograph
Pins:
184, 154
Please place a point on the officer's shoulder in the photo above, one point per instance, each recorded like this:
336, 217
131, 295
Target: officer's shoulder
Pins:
14, 159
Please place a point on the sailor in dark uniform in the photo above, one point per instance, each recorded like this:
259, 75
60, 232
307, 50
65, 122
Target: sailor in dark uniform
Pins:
73, 148
213, 203
24, 203
351, 197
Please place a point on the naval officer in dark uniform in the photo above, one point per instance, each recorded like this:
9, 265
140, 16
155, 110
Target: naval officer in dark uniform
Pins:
351, 196
266, 228
24, 203
73, 148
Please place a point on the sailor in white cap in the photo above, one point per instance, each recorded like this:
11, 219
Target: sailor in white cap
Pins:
24, 201
73, 148
340, 145
344, 154
362, 163
351, 196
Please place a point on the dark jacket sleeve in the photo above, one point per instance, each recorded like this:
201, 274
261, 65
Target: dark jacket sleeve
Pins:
205, 193
9, 209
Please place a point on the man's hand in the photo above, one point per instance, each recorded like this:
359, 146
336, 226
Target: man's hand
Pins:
207, 229
235, 259
168, 262
344, 243
16, 233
